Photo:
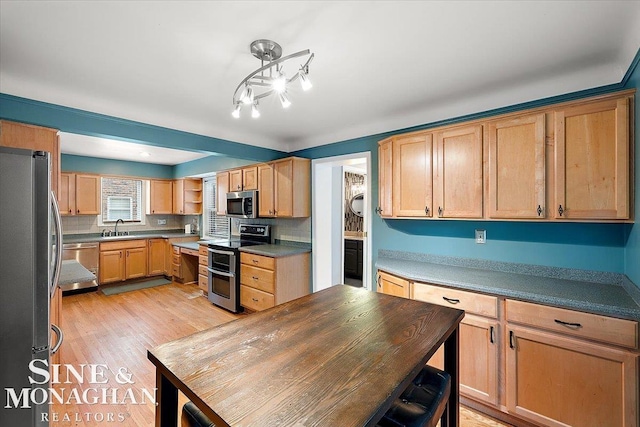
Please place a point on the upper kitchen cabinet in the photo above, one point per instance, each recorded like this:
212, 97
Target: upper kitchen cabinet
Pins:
187, 196
244, 179
412, 176
222, 188
37, 138
385, 178
278, 196
161, 196
563, 162
516, 167
592, 160
457, 183
79, 194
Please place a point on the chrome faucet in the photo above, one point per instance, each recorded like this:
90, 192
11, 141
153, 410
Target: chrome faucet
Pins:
115, 229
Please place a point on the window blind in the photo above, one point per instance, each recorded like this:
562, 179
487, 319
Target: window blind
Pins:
215, 226
119, 208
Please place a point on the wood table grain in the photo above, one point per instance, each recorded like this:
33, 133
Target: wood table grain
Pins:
338, 357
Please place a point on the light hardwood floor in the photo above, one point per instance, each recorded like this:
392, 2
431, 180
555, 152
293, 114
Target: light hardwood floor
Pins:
116, 331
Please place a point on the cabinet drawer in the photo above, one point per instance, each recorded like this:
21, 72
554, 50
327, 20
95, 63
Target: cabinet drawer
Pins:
203, 283
202, 250
575, 323
123, 244
258, 260
188, 251
176, 250
471, 302
203, 260
255, 299
202, 270
175, 270
258, 278
176, 259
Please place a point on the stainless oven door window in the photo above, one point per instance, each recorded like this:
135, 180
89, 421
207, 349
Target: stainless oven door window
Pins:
224, 261
221, 283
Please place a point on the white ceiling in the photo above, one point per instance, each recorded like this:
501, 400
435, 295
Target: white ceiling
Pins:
379, 66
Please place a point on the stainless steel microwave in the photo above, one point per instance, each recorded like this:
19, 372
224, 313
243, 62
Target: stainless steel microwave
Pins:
242, 204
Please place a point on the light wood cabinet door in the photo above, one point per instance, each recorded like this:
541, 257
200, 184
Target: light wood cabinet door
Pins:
412, 176
283, 174
516, 167
385, 178
161, 196
393, 285
222, 188
266, 194
87, 194
557, 381
592, 161
111, 266
235, 180
250, 178
67, 194
135, 263
19, 135
458, 178
178, 196
156, 251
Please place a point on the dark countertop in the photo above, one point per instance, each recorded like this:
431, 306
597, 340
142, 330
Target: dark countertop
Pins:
84, 238
610, 294
72, 271
188, 245
276, 251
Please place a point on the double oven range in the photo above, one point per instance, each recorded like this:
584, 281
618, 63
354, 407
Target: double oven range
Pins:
224, 265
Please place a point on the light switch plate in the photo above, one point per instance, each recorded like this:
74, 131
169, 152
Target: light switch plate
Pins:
162, 222
481, 236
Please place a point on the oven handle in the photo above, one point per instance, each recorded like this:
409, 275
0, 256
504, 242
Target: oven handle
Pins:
222, 273
218, 251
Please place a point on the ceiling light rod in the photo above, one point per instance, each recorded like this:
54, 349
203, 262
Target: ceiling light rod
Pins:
276, 80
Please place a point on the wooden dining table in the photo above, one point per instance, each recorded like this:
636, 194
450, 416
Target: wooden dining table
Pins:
337, 357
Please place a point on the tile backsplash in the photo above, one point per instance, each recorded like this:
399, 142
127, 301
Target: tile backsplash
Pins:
291, 229
88, 224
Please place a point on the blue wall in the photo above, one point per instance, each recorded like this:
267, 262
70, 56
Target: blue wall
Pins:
114, 167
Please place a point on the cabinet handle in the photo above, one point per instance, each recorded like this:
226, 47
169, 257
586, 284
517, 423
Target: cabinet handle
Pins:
568, 324
451, 300
539, 210
254, 299
70, 211
440, 211
511, 339
560, 210
426, 210
255, 261
491, 334
378, 281
127, 254
254, 277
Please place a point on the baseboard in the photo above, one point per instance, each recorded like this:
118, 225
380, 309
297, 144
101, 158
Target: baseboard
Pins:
494, 413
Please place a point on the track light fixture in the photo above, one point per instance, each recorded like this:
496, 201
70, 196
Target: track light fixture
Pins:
270, 78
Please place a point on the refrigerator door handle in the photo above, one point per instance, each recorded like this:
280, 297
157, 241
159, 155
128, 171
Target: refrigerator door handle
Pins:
58, 225
60, 335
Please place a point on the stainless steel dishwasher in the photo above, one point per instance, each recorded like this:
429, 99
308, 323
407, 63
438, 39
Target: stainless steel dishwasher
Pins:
88, 255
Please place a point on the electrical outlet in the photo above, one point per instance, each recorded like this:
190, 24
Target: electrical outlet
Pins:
162, 222
481, 236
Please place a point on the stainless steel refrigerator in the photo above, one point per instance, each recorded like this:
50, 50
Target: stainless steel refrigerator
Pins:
30, 259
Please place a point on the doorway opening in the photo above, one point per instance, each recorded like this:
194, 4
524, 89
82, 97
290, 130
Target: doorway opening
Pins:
341, 226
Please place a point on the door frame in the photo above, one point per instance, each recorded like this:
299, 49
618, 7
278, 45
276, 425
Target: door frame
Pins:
327, 229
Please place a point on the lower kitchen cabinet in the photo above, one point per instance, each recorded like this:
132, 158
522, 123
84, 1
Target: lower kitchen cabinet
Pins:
156, 252
525, 361
559, 379
479, 335
203, 273
184, 267
123, 260
268, 281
